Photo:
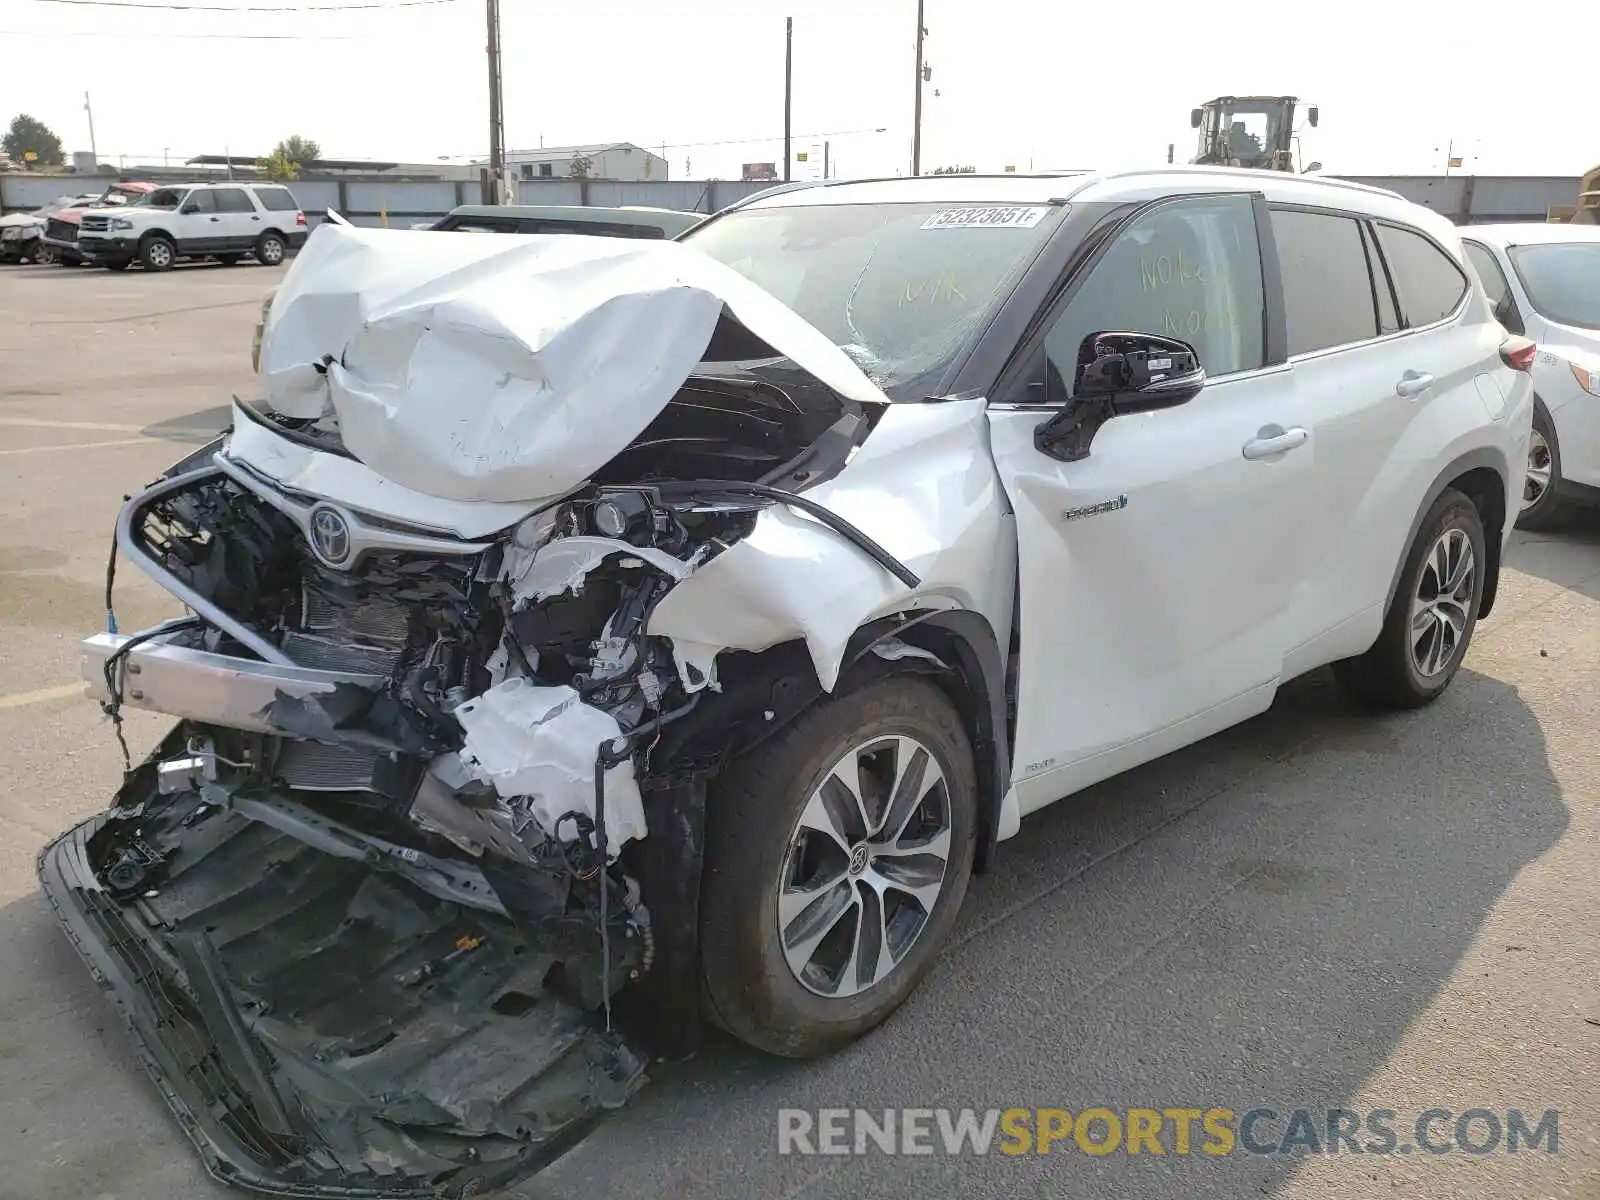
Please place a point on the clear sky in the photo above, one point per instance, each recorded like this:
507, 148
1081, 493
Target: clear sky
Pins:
1019, 82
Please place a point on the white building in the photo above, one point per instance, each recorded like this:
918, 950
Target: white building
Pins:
602, 160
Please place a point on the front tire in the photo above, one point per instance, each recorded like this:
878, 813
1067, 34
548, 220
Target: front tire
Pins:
44, 255
1432, 615
1543, 506
837, 857
156, 253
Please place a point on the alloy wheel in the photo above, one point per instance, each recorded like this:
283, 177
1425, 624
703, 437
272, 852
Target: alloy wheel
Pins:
1540, 468
160, 255
866, 862
1441, 607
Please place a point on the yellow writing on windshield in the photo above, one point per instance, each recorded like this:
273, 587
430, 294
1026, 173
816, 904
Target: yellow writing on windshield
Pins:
939, 289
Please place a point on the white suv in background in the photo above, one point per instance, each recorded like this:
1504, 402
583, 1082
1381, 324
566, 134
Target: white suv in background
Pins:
224, 221
1544, 282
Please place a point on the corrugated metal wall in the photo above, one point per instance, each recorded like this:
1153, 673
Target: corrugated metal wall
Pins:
408, 201
1471, 198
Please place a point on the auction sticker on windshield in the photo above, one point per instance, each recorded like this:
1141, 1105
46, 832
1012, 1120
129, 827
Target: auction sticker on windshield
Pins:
1006, 216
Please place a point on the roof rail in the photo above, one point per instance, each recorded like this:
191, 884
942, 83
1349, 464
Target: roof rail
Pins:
1206, 169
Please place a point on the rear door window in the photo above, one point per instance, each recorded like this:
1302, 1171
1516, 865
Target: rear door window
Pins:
233, 200
1329, 294
1430, 283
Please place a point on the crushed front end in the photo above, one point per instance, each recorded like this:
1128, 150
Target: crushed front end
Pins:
356, 908
408, 895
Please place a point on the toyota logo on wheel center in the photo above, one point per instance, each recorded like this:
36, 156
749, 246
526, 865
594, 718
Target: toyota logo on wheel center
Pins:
859, 858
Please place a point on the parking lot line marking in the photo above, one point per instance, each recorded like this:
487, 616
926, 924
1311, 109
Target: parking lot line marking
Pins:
40, 695
41, 423
105, 427
82, 445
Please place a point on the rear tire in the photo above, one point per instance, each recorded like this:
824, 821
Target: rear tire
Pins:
270, 249
1431, 617
157, 253
858, 888
1544, 507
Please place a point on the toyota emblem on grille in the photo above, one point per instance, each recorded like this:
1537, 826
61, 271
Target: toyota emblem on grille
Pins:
330, 536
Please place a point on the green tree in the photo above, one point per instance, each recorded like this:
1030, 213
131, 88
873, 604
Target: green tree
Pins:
29, 135
581, 166
276, 166
294, 151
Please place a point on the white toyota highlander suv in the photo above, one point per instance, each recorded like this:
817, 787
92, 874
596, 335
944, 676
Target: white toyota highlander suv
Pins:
681, 624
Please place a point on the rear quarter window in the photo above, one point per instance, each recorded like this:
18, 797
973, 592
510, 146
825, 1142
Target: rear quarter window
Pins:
276, 199
1328, 294
1429, 281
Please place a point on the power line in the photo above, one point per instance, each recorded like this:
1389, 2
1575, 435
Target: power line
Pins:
357, 6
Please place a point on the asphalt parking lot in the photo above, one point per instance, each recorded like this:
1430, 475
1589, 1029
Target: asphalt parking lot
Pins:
1318, 909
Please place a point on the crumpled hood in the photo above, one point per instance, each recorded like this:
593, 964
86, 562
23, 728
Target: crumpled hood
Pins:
480, 367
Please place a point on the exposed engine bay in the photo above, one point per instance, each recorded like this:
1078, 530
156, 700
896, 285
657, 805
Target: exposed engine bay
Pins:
432, 802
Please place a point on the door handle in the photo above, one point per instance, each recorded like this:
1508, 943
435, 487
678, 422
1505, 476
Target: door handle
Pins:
1412, 384
1271, 440
255, 218
216, 218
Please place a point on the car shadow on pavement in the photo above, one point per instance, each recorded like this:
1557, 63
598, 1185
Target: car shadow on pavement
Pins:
1254, 920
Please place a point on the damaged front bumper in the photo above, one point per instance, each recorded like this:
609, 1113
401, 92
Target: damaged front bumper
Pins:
163, 675
323, 1028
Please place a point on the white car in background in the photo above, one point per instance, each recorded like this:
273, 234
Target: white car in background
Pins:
1544, 281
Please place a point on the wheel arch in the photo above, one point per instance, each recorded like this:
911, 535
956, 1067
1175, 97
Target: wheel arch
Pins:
764, 691
760, 693
157, 232
1481, 475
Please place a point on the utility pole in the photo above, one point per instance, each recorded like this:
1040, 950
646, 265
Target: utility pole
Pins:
916, 118
788, 94
497, 128
93, 152
825, 158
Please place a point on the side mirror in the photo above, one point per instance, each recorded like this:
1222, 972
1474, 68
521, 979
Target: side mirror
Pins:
190, 207
1118, 374
1311, 115
1314, 167
1197, 115
1506, 313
